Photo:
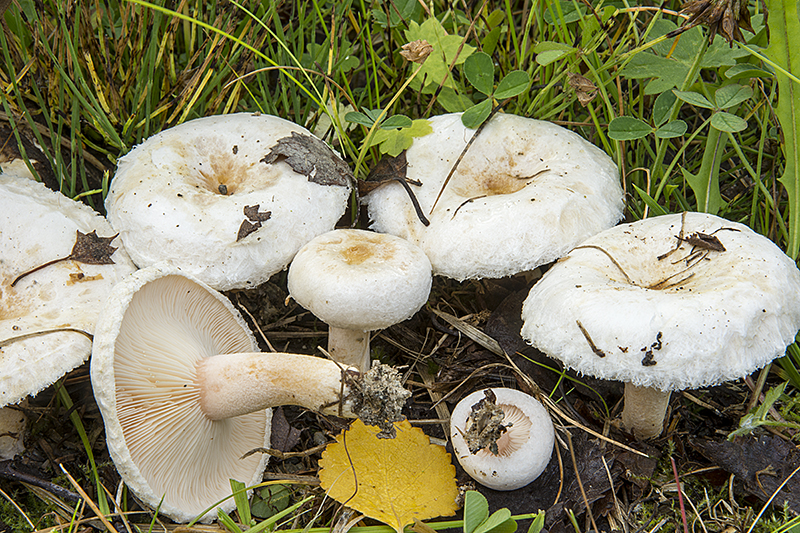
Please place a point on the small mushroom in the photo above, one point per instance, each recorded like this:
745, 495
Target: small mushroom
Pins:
50, 297
229, 199
359, 281
524, 194
184, 394
503, 438
665, 304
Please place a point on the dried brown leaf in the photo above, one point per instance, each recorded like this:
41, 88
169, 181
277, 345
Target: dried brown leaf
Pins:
312, 158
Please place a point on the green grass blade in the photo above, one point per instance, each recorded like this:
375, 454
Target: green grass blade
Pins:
784, 31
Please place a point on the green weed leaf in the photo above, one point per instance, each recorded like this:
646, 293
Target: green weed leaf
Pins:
720, 54
705, 184
445, 51
479, 70
731, 95
475, 115
395, 122
394, 141
545, 58
242, 502
669, 67
650, 201
695, 99
476, 510
499, 522
537, 524
662, 107
724, 121
746, 71
784, 31
512, 84
570, 12
489, 43
227, 521
673, 129
549, 51
359, 118
628, 129
399, 12
648, 65
454, 102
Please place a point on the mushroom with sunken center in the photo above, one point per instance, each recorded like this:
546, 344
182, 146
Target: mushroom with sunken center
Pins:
359, 281
524, 194
503, 438
48, 313
184, 393
230, 199
664, 304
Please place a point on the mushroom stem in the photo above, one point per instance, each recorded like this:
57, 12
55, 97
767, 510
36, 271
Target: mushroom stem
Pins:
236, 384
644, 411
349, 347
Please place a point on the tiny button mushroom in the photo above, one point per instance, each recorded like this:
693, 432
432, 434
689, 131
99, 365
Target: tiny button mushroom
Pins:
359, 281
522, 441
692, 310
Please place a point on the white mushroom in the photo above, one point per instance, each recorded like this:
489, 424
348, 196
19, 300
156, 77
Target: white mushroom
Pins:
47, 316
359, 281
665, 304
229, 199
525, 193
523, 448
184, 395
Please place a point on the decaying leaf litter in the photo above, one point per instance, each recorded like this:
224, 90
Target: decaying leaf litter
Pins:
460, 308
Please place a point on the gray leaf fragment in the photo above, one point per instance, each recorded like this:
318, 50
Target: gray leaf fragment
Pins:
311, 157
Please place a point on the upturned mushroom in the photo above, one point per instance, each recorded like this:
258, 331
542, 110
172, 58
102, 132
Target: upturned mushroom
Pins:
57, 266
184, 393
665, 304
230, 199
524, 194
503, 438
359, 281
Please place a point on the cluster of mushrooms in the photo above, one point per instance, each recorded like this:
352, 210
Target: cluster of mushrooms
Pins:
225, 202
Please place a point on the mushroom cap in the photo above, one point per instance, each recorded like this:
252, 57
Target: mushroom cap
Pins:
360, 280
38, 225
524, 449
683, 321
155, 327
183, 195
524, 194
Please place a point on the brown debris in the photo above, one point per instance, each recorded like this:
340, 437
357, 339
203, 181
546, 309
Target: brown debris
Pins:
312, 158
378, 397
761, 463
417, 51
725, 17
88, 248
485, 424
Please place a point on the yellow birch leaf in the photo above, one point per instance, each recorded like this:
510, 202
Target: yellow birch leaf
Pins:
396, 480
